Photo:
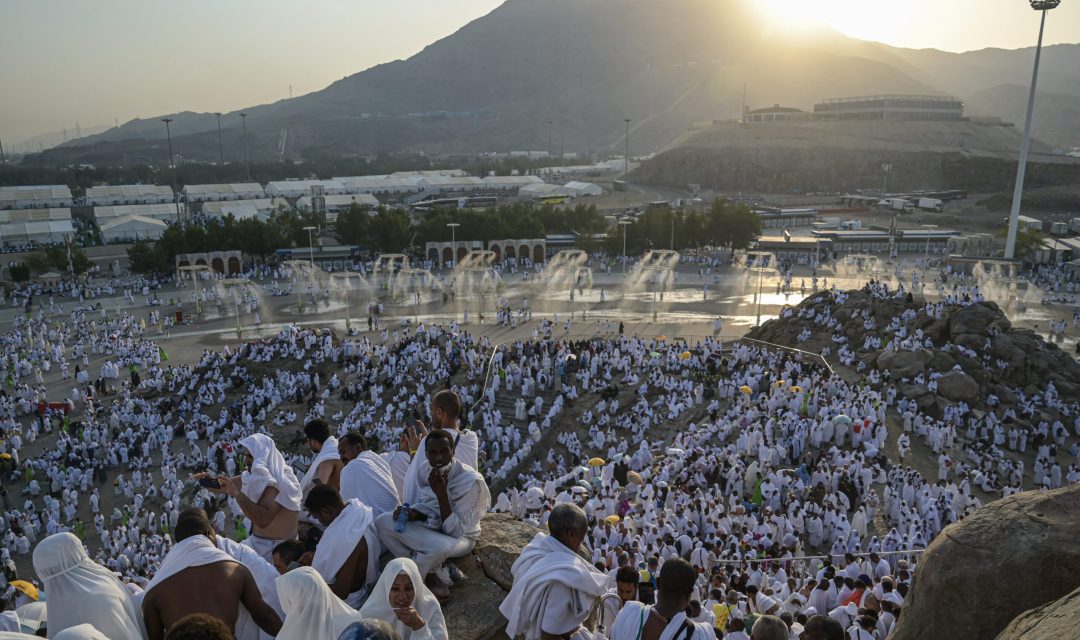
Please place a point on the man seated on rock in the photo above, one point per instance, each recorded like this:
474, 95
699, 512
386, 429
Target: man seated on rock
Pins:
268, 493
667, 618
445, 521
326, 467
366, 475
554, 588
347, 555
197, 577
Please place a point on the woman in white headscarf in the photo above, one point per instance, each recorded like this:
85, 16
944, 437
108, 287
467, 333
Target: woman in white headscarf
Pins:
312, 611
80, 632
80, 590
401, 598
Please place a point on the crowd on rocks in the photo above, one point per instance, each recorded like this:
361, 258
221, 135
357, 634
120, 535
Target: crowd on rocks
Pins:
757, 476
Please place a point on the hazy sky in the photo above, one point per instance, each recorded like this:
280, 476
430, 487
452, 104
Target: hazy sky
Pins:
68, 61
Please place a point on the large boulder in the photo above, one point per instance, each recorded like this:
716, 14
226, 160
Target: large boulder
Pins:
1009, 556
1058, 620
977, 318
473, 610
904, 364
957, 385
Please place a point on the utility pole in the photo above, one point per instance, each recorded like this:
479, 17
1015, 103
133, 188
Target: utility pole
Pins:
2, 160
549, 139
247, 160
626, 162
562, 137
172, 165
220, 146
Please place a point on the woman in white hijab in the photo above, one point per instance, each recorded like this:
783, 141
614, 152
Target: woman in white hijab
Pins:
401, 598
312, 611
80, 591
80, 632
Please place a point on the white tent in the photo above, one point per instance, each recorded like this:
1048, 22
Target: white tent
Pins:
128, 194
156, 211
35, 196
239, 191
579, 189
260, 208
297, 188
131, 228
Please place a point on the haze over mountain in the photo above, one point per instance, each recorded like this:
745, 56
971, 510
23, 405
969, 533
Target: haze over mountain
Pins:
586, 65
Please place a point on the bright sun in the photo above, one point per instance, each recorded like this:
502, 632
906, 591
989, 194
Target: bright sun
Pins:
856, 18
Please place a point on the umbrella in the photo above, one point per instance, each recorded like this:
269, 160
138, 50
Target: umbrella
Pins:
842, 419
5, 456
633, 477
796, 389
661, 338
613, 519
778, 383
596, 462
675, 451
578, 489
27, 589
745, 389
655, 354
685, 355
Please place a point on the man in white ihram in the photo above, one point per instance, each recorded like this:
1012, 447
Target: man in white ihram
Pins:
444, 522
554, 588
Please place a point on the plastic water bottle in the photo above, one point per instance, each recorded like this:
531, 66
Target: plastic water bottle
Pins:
403, 517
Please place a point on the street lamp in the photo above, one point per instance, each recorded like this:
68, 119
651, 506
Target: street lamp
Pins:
233, 284
453, 240
626, 161
172, 165
624, 224
247, 160
1021, 167
220, 145
311, 245
928, 227
195, 270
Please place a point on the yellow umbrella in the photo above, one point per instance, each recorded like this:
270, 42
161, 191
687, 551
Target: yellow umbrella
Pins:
613, 519
796, 389
685, 355
27, 589
633, 477
745, 389
661, 338
596, 462
5, 456
778, 383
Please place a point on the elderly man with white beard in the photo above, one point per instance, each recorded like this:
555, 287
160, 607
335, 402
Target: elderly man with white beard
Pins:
445, 521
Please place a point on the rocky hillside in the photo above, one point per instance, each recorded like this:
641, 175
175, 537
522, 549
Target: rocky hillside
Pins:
1008, 557
1028, 362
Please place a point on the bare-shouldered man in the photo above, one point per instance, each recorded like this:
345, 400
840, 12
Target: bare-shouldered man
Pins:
197, 577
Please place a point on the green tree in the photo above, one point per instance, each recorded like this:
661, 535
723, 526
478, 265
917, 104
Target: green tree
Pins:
732, 226
353, 226
1028, 242
19, 272
390, 231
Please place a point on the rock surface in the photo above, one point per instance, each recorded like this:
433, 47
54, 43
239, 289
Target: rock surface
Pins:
473, 610
1008, 557
1058, 620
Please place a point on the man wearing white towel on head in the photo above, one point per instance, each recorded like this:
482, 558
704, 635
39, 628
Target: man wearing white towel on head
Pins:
267, 493
367, 476
347, 556
444, 522
554, 588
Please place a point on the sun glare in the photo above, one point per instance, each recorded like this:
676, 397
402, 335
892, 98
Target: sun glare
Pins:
856, 18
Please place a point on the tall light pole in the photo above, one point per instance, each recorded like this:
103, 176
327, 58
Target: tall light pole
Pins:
672, 229
1021, 167
885, 169
453, 240
624, 224
549, 123
311, 245
172, 165
928, 228
562, 136
247, 160
626, 162
220, 146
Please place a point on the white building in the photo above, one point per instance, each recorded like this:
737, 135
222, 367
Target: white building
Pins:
382, 185
297, 188
336, 204
49, 196
509, 184
542, 190
153, 211
128, 194
132, 228
43, 226
243, 209
214, 192
583, 189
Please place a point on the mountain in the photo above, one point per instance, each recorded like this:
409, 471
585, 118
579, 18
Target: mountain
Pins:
587, 65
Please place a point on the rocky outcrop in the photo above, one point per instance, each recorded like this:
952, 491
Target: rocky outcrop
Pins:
1006, 558
963, 341
473, 610
1058, 620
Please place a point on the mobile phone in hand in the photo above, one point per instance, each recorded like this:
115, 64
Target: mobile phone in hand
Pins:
210, 483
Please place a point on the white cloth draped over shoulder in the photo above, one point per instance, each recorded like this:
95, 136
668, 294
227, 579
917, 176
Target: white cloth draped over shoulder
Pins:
269, 470
80, 590
466, 451
425, 603
264, 573
369, 479
80, 632
545, 562
198, 551
634, 615
469, 496
329, 451
312, 611
340, 539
